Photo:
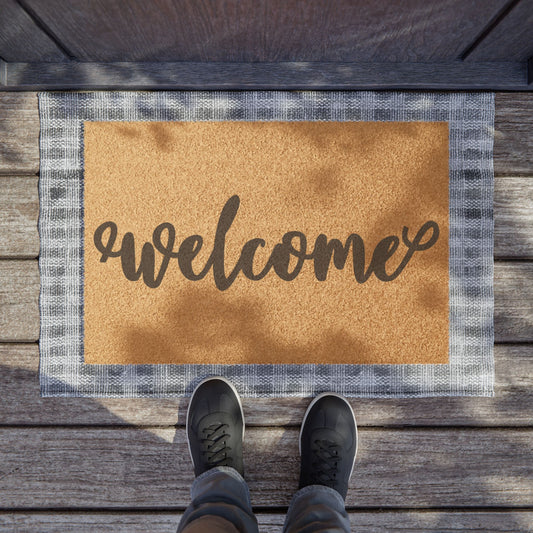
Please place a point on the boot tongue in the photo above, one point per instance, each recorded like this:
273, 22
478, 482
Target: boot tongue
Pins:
327, 434
332, 420
220, 404
220, 417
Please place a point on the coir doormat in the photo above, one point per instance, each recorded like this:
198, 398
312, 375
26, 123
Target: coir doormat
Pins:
294, 242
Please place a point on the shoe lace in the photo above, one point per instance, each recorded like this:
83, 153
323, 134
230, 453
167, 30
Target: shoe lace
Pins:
326, 458
214, 447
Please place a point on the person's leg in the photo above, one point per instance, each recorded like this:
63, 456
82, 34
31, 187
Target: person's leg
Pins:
317, 508
328, 445
220, 501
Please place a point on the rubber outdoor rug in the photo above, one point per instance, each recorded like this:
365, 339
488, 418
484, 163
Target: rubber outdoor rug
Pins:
295, 242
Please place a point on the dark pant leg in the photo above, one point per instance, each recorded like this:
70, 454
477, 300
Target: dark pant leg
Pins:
211, 524
220, 503
317, 509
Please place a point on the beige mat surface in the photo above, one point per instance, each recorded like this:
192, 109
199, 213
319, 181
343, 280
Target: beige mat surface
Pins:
359, 182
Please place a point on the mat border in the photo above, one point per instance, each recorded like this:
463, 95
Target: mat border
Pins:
471, 125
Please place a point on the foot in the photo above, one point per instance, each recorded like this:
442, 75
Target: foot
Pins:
328, 443
215, 426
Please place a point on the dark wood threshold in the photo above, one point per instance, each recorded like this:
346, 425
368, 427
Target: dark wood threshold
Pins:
456, 75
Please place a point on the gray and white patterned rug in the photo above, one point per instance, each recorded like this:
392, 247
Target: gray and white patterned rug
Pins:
470, 371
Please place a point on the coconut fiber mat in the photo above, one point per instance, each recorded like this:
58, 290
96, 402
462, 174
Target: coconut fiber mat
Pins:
294, 242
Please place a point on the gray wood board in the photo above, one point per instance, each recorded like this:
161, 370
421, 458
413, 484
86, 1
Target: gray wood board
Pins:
113, 468
248, 30
511, 39
513, 302
19, 204
512, 405
455, 75
21, 39
513, 217
513, 134
19, 300
19, 132
445, 521
19, 294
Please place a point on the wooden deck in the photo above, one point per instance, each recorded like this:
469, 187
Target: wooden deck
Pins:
432, 465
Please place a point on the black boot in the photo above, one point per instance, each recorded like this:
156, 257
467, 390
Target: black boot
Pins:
328, 443
215, 426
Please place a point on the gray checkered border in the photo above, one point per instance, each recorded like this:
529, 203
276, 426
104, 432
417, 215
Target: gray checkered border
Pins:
470, 117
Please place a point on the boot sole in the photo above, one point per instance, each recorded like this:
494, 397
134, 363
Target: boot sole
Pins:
227, 382
314, 401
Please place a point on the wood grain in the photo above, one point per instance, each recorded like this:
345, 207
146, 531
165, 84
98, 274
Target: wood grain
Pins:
19, 300
512, 404
248, 30
513, 282
513, 217
19, 131
150, 468
513, 138
510, 39
19, 205
104, 468
445, 521
301, 75
21, 39
19, 292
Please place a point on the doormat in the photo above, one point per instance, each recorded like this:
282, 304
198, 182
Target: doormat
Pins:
295, 242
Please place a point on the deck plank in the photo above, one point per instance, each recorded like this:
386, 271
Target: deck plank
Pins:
114, 468
19, 205
513, 217
19, 298
19, 132
513, 302
511, 406
513, 138
74, 465
362, 522
254, 75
